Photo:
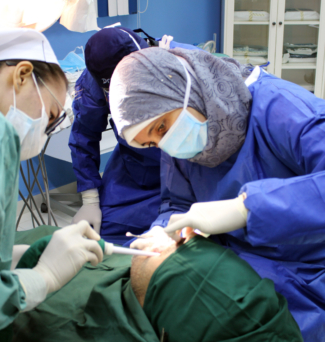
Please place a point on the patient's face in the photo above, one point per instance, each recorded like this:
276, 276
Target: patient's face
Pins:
142, 269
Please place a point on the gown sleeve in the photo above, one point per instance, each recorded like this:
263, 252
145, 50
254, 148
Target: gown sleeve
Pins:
12, 295
91, 119
291, 121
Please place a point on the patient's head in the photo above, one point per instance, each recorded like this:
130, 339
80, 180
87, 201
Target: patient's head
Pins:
143, 268
200, 291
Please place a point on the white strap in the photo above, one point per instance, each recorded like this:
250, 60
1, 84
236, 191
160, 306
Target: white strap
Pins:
14, 91
188, 84
39, 93
135, 42
188, 67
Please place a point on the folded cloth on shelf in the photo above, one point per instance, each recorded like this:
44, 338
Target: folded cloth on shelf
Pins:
242, 50
302, 51
254, 60
301, 14
251, 16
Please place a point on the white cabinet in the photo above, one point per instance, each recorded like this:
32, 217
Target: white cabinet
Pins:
290, 34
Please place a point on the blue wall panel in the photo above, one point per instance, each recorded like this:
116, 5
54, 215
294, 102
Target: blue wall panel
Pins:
188, 21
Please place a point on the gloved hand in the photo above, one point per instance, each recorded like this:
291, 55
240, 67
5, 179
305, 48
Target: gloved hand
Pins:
90, 210
66, 253
17, 253
212, 217
156, 240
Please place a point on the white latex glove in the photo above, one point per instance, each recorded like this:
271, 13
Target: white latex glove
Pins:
165, 42
212, 217
17, 253
156, 240
66, 253
90, 210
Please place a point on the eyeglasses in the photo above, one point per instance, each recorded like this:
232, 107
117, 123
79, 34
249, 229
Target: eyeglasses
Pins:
50, 128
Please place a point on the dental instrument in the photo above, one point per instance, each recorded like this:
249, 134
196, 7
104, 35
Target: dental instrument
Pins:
137, 236
109, 248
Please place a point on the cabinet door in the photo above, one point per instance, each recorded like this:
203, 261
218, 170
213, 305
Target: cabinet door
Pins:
299, 48
250, 31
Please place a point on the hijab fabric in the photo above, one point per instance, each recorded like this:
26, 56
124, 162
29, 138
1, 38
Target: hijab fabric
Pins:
153, 81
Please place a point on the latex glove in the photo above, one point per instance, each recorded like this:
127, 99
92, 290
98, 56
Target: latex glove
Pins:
17, 253
165, 42
67, 251
90, 210
156, 240
212, 217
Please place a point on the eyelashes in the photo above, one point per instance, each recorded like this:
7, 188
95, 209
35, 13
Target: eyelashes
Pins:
161, 127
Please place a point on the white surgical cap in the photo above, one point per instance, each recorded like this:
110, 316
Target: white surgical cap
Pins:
25, 44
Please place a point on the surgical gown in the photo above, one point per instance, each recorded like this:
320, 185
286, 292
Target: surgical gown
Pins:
281, 168
12, 295
130, 187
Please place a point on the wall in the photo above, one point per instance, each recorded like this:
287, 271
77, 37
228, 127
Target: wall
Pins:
188, 21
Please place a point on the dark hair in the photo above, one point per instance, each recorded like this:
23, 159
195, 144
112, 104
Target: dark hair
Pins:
44, 70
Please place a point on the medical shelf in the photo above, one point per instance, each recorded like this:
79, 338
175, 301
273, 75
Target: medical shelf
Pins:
299, 22
299, 66
275, 32
251, 23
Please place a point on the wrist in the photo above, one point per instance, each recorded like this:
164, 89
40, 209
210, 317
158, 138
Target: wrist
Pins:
90, 196
240, 205
33, 285
51, 285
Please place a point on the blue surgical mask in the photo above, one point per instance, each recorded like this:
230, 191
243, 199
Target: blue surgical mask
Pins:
188, 136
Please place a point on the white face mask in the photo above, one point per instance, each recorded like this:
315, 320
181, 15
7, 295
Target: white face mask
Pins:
31, 131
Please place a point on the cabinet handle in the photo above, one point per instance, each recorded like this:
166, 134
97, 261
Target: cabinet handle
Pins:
280, 22
273, 23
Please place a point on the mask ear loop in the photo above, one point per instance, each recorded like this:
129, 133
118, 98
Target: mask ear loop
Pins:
38, 91
188, 85
186, 98
14, 91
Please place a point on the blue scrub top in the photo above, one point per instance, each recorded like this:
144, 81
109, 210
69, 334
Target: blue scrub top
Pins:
281, 168
130, 186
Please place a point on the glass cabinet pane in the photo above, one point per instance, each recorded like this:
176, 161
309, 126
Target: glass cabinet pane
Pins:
302, 77
300, 40
251, 44
253, 6
251, 31
300, 44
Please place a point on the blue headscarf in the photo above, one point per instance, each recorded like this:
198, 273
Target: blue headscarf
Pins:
150, 82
